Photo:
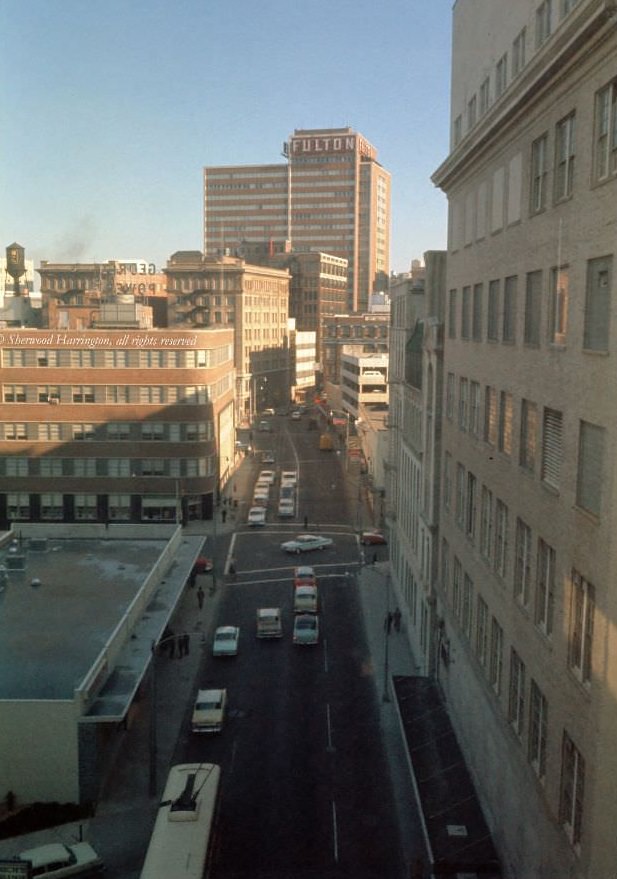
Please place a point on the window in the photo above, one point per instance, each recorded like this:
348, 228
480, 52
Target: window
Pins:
84, 467
538, 723
482, 631
18, 506
477, 312
558, 305
466, 313
467, 605
117, 394
153, 394
490, 416
545, 587
83, 431
85, 507
518, 52
460, 494
474, 408
597, 304
458, 130
529, 432
119, 508
445, 566
447, 480
118, 430
552, 447
49, 431
486, 523
152, 431
452, 315
501, 538
14, 394
83, 394
539, 172
582, 608
457, 575
463, 387
118, 467
522, 563
590, 467
16, 431
543, 22
492, 329
19, 466
516, 695
470, 506
606, 132
572, 789
564, 157
450, 395
509, 309
501, 75
116, 358
496, 658
471, 113
52, 507
485, 95
505, 423
566, 6
533, 303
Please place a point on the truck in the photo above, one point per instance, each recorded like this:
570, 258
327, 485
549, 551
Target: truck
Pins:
326, 443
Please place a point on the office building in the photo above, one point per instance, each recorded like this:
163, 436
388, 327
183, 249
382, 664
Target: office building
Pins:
528, 564
365, 333
331, 195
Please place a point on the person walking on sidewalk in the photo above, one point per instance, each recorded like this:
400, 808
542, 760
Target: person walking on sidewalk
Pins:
397, 619
200, 597
388, 622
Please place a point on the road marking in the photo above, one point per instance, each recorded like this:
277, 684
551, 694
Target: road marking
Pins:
329, 725
230, 554
325, 654
335, 831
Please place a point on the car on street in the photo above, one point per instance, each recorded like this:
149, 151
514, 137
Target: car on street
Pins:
57, 860
226, 641
288, 491
209, 711
268, 411
202, 565
373, 537
304, 574
296, 415
287, 508
264, 427
305, 598
257, 516
289, 477
306, 543
306, 629
267, 457
267, 476
269, 622
260, 498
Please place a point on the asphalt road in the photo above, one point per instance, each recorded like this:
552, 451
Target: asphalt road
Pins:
306, 789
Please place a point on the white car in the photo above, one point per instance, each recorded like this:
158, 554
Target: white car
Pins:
209, 711
306, 542
261, 498
306, 629
226, 641
287, 508
305, 598
289, 477
57, 860
296, 415
257, 516
266, 476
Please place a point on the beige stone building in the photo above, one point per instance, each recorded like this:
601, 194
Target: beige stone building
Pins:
528, 560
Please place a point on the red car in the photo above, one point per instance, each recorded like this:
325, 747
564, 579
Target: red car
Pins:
373, 538
202, 565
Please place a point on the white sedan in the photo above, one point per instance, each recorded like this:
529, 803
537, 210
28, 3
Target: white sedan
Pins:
226, 641
257, 516
306, 542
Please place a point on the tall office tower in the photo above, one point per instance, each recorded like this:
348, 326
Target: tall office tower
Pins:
332, 195
528, 567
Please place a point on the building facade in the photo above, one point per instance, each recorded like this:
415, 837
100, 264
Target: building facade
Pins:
366, 333
332, 195
528, 563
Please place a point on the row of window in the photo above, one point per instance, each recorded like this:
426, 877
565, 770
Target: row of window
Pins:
117, 359
51, 431
185, 394
13, 466
56, 507
493, 314
527, 706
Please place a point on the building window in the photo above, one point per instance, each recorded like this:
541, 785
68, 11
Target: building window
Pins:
14, 394
457, 576
492, 329
116, 394
490, 416
119, 507
477, 312
501, 538
545, 587
452, 315
522, 563
458, 130
505, 423
83, 431
598, 304
558, 305
538, 725
84, 467
539, 172
529, 433
467, 606
590, 467
49, 431
471, 113
606, 132
118, 467
447, 480
552, 447
463, 402
486, 523
518, 52
83, 394
582, 608
509, 309
85, 507
543, 22
19, 466
118, 430
16, 431
482, 631
564, 157
501, 75
572, 789
18, 506
516, 696
52, 508
445, 567
460, 495
474, 408
152, 431
496, 658
466, 313
485, 95
533, 305
470, 506
450, 395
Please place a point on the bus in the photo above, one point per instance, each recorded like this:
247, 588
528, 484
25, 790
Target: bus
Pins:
182, 842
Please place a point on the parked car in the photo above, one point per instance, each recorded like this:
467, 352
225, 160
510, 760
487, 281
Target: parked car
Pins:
257, 516
289, 477
373, 538
306, 542
267, 457
306, 629
288, 491
260, 498
269, 623
305, 598
287, 508
226, 641
209, 711
296, 415
304, 574
268, 411
267, 476
57, 860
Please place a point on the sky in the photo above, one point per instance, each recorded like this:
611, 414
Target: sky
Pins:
111, 109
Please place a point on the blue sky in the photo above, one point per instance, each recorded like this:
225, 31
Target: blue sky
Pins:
111, 108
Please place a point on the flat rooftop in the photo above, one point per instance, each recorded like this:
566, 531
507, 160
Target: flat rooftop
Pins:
50, 635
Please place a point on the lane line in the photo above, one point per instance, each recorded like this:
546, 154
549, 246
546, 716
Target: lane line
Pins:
325, 656
335, 831
329, 725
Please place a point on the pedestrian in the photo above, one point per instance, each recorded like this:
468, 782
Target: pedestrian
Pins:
200, 597
186, 643
374, 558
232, 566
223, 515
305, 522
180, 643
397, 619
388, 622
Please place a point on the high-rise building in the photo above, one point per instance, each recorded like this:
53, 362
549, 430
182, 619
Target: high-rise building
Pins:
526, 587
332, 195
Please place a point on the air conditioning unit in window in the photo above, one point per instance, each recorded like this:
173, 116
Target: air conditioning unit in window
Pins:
53, 400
